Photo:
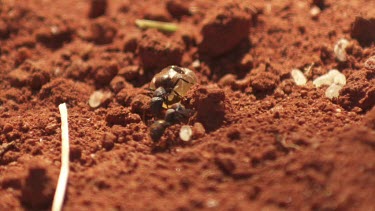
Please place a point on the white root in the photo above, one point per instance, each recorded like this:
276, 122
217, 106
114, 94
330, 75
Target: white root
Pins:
58, 199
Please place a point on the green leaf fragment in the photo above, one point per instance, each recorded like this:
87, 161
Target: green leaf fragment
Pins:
163, 26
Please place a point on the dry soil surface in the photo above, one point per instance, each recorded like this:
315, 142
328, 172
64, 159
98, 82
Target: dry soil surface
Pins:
259, 140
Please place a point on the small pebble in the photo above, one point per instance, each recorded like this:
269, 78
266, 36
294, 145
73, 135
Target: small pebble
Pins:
99, 97
196, 63
298, 77
198, 130
212, 203
186, 133
370, 63
227, 80
315, 11
340, 49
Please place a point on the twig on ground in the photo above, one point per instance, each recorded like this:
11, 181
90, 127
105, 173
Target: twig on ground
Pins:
163, 26
64, 171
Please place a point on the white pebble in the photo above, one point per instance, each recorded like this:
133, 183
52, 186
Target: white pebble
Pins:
186, 132
340, 49
315, 11
333, 91
98, 97
196, 63
298, 77
212, 203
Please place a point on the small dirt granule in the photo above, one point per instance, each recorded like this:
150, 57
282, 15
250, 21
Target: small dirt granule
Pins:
118, 83
158, 13
121, 116
363, 29
54, 35
104, 72
198, 130
130, 42
75, 152
77, 70
319, 3
38, 79
108, 140
369, 119
359, 90
130, 72
4, 29
64, 90
234, 134
264, 81
210, 105
370, 63
99, 97
223, 28
97, 8
101, 31
158, 51
140, 104
227, 80
39, 185
18, 77
178, 8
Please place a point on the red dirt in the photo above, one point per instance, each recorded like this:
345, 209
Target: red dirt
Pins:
259, 140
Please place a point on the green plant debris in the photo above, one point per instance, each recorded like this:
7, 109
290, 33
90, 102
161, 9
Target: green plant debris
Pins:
162, 26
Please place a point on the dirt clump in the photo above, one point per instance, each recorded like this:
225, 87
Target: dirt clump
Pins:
359, 90
178, 8
59, 91
209, 102
101, 31
257, 141
38, 187
363, 30
223, 28
97, 8
54, 35
157, 51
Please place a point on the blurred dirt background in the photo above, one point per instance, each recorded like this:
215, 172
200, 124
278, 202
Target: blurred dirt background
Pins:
259, 142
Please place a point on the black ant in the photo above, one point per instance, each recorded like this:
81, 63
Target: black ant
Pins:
169, 86
175, 114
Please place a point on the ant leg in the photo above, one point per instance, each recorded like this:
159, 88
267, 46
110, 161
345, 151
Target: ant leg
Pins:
176, 93
150, 91
178, 80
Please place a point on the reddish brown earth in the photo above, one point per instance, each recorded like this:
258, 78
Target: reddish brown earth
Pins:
267, 143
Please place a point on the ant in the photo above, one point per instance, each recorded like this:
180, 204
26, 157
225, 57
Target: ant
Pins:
169, 86
175, 114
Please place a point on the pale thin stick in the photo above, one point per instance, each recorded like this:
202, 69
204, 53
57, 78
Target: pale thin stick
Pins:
163, 26
58, 199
